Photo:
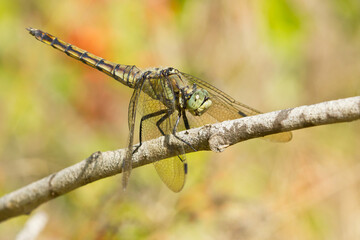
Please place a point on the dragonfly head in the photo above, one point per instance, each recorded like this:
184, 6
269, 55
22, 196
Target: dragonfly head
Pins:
198, 102
171, 71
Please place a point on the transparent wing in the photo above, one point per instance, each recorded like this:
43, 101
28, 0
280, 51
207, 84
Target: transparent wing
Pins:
127, 162
225, 108
172, 171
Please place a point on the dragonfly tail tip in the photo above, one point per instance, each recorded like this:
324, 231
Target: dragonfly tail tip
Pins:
31, 30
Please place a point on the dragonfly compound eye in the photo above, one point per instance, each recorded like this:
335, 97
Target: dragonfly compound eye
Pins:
199, 102
171, 70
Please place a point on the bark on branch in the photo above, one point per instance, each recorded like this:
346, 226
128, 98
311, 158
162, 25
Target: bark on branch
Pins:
214, 137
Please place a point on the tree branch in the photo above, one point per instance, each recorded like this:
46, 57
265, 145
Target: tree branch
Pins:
214, 137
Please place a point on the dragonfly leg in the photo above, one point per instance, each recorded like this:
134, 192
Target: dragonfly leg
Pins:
186, 122
151, 115
187, 127
168, 113
166, 116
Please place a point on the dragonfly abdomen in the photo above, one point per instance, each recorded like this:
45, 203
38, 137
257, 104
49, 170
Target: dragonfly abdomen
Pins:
125, 74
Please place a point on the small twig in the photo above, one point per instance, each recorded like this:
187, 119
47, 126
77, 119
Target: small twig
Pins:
214, 137
33, 227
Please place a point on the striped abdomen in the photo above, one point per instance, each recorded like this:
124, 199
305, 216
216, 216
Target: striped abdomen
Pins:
125, 74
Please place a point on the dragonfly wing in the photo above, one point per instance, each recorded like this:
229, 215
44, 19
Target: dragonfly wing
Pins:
172, 171
224, 107
133, 106
279, 137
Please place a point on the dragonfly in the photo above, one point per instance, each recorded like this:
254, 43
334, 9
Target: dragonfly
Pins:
167, 101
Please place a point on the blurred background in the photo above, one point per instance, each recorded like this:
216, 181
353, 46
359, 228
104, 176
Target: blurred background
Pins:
271, 55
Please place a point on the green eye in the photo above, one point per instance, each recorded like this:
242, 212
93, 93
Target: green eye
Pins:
199, 102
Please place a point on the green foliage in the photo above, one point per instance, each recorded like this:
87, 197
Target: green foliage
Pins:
283, 25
